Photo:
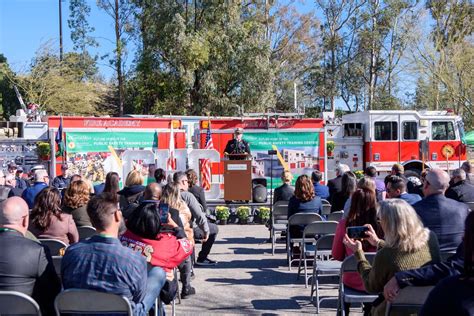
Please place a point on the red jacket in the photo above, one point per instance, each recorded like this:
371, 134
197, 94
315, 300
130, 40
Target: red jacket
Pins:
165, 251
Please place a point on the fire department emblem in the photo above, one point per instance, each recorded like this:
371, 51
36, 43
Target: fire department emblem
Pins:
447, 151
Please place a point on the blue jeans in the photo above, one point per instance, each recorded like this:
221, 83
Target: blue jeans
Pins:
155, 281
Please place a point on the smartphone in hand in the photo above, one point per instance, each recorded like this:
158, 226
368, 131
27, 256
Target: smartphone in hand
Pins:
357, 232
164, 211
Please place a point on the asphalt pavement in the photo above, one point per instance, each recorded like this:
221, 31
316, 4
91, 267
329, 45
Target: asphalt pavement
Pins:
249, 280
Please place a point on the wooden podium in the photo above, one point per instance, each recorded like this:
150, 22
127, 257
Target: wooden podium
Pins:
238, 179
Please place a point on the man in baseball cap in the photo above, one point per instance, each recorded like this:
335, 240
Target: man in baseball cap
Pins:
237, 145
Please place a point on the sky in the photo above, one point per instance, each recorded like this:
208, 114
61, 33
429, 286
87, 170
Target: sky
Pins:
25, 25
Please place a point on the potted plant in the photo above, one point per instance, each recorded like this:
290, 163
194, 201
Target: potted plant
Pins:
44, 150
359, 174
222, 214
330, 145
243, 213
263, 214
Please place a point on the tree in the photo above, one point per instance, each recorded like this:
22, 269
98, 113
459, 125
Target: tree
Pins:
56, 86
80, 36
8, 100
121, 11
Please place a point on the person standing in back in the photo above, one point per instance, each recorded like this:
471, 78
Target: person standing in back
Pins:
320, 190
41, 180
460, 190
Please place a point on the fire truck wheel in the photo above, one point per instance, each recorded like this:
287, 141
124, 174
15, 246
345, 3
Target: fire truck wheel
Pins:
413, 173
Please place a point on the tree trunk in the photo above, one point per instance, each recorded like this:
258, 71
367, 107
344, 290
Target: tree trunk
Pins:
373, 56
118, 43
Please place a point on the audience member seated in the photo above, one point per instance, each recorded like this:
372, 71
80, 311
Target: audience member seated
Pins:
396, 189
460, 190
445, 217
61, 181
172, 197
41, 180
380, 191
363, 183
408, 245
320, 190
399, 171
434, 273
363, 211
75, 177
26, 266
153, 193
132, 192
349, 185
304, 201
112, 183
335, 185
285, 191
145, 234
455, 295
10, 182
75, 202
469, 170
205, 231
101, 263
195, 189
160, 177
47, 220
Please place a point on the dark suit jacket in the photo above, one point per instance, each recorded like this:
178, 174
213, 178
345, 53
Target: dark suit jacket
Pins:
198, 193
283, 193
445, 217
26, 266
461, 191
335, 186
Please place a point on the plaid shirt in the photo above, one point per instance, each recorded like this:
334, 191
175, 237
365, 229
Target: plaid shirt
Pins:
103, 264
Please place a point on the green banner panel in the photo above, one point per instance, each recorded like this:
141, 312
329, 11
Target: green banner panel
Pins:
100, 141
264, 141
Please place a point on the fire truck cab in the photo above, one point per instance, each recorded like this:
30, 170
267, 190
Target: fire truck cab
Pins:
415, 139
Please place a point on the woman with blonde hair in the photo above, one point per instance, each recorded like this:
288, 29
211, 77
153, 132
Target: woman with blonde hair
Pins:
131, 193
75, 202
286, 190
172, 196
363, 183
407, 245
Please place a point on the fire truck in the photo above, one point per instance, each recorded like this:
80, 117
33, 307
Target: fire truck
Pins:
415, 139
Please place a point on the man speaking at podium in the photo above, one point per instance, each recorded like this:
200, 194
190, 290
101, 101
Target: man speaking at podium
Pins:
237, 148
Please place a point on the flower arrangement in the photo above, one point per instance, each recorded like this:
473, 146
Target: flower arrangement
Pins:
243, 213
222, 213
359, 174
330, 145
44, 150
264, 213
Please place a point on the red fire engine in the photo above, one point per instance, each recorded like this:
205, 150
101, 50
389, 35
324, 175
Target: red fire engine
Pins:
382, 138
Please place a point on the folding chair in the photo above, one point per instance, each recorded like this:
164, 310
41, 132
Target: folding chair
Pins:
301, 219
409, 300
79, 301
57, 264
446, 255
347, 295
326, 207
471, 205
16, 303
279, 221
86, 232
56, 247
323, 267
310, 233
336, 216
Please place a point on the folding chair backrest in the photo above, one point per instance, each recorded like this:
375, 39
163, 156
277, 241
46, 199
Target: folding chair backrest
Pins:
409, 300
79, 301
304, 218
280, 212
350, 263
325, 202
336, 216
324, 242
471, 205
16, 303
54, 246
445, 255
326, 209
320, 228
86, 232
57, 264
